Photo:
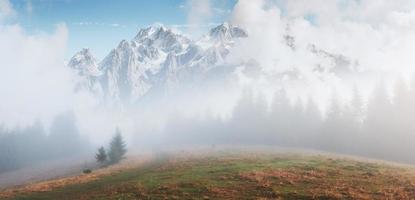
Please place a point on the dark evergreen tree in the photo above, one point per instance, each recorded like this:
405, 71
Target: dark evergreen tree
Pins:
411, 99
356, 106
65, 137
280, 117
401, 108
333, 126
379, 108
296, 123
352, 119
117, 148
260, 133
402, 119
242, 117
312, 123
378, 127
101, 156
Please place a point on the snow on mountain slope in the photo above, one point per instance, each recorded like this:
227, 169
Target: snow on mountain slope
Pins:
85, 65
85, 62
157, 57
129, 70
226, 33
160, 60
159, 37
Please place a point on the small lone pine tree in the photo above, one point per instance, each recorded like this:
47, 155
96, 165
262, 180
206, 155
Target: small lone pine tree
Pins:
117, 148
101, 156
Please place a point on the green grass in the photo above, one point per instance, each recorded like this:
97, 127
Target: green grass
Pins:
239, 176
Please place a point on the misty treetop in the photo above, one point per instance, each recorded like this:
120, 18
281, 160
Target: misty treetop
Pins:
118, 148
33, 144
101, 156
116, 152
383, 127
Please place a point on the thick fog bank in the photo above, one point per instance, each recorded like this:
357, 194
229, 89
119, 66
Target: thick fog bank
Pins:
31, 145
327, 75
379, 126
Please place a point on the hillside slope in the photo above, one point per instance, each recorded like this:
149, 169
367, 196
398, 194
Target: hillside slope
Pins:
233, 175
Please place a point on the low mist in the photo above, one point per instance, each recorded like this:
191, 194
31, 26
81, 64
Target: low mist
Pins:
331, 77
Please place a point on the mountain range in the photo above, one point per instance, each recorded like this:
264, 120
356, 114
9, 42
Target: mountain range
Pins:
158, 60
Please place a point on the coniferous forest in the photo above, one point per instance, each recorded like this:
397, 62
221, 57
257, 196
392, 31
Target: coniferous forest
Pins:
381, 126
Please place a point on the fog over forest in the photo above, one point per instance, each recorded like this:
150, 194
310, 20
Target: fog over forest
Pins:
336, 78
379, 127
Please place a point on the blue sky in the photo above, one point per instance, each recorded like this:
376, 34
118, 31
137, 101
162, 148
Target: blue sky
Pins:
102, 24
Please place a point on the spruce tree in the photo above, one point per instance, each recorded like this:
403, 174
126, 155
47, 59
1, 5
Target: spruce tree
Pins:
117, 148
101, 156
357, 106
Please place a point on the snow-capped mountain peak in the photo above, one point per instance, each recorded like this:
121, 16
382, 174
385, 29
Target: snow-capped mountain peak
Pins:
157, 58
149, 32
160, 37
84, 62
227, 32
123, 44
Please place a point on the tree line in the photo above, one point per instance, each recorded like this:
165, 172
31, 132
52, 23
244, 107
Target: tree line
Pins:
26, 146
383, 126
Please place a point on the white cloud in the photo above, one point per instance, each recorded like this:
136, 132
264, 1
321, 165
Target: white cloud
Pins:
371, 31
378, 34
221, 11
6, 9
33, 81
199, 13
86, 23
331, 11
202, 13
193, 25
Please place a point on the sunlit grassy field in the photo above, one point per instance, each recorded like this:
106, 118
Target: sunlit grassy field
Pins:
243, 176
